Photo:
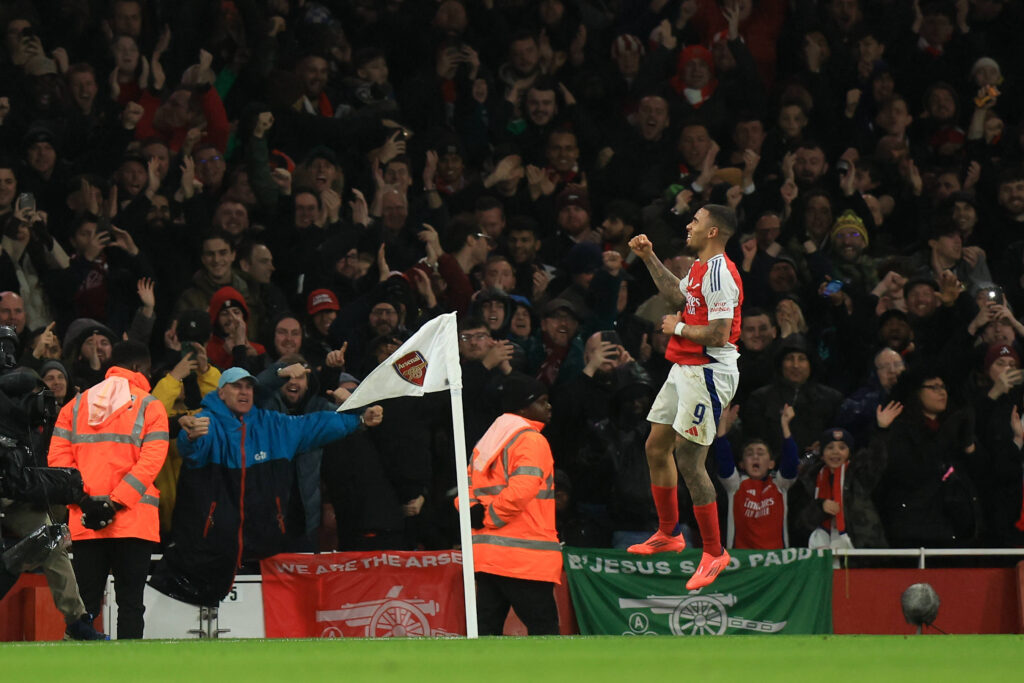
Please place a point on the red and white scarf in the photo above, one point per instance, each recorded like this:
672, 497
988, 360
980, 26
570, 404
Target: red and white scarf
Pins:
696, 98
829, 486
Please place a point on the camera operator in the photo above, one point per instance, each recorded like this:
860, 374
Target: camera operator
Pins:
28, 489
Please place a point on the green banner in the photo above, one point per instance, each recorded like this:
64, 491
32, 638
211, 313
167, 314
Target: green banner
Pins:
762, 591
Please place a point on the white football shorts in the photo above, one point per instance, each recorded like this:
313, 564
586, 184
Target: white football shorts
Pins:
692, 400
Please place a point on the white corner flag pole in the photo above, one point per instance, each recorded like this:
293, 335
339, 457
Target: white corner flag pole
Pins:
412, 370
465, 530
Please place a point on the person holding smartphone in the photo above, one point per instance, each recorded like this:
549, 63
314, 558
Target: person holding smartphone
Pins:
585, 400
27, 250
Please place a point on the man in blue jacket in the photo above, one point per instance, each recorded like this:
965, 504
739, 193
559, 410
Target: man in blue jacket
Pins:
235, 485
290, 387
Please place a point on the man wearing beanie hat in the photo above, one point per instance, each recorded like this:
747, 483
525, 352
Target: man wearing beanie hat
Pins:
512, 510
815, 402
47, 174
850, 264
56, 378
87, 347
572, 218
848, 223
1002, 367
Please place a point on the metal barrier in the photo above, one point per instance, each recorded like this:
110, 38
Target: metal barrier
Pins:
922, 553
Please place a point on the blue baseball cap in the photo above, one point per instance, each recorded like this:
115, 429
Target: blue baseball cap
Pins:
232, 375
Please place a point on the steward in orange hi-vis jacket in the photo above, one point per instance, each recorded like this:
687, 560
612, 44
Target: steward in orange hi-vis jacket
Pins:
516, 553
116, 435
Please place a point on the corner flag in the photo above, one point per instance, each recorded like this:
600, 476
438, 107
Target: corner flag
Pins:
429, 362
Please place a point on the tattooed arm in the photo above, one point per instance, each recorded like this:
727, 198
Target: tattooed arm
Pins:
667, 283
715, 333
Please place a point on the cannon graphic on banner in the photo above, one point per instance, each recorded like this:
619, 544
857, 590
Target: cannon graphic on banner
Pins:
698, 615
390, 617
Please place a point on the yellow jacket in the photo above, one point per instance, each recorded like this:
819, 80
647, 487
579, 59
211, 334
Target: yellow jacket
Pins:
169, 392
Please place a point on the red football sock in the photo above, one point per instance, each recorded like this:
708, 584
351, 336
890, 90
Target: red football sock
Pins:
707, 520
667, 504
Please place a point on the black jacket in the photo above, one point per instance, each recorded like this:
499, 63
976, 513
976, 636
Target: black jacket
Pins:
863, 523
815, 406
927, 497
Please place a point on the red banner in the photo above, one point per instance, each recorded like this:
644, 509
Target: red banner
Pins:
378, 594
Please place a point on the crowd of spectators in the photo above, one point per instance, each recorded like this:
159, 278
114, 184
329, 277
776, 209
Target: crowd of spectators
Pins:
261, 183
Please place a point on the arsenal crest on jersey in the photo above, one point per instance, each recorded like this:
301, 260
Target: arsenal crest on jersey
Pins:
412, 367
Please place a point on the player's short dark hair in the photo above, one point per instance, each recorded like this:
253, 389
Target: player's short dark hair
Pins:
723, 218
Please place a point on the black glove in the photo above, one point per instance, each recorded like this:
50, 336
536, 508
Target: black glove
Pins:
476, 515
96, 512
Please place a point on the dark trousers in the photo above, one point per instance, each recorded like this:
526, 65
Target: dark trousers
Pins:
533, 601
128, 560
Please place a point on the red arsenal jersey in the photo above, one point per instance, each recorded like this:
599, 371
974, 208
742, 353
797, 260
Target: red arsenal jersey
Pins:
758, 515
713, 291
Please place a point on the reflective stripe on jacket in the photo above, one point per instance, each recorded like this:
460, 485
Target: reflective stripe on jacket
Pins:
116, 435
512, 475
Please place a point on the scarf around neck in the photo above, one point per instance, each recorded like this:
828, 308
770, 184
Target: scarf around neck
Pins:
829, 486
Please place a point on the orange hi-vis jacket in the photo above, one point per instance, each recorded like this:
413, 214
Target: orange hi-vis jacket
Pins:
512, 475
116, 435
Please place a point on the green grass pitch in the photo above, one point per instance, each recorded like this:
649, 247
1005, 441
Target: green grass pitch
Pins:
866, 659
